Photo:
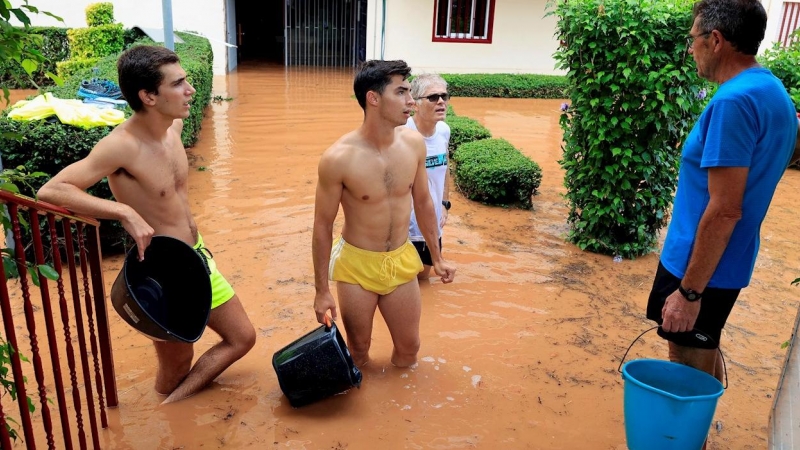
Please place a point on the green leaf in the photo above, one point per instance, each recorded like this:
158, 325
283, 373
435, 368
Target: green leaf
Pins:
56, 79
48, 272
29, 65
9, 187
34, 276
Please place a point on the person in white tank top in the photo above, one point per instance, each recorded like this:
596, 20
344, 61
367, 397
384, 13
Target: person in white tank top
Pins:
430, 93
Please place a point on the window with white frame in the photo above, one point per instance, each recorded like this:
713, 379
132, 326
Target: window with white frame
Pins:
463, 21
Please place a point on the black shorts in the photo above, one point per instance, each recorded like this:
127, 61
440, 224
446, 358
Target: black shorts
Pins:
425, 252
715, 307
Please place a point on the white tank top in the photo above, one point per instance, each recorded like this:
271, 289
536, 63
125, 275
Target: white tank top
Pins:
436, 165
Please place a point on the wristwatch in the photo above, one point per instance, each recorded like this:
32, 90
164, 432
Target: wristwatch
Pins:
690, 295
446, 204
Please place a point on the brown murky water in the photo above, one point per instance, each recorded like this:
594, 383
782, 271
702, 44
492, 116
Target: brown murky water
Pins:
520, 352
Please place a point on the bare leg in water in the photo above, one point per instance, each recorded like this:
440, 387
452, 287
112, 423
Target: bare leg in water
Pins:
178, 379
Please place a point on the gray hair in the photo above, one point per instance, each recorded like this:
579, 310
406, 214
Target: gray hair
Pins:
742, 22
421, 84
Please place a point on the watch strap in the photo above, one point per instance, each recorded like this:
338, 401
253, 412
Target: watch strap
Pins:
689, 294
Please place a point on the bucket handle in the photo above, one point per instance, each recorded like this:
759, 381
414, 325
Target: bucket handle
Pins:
622, 361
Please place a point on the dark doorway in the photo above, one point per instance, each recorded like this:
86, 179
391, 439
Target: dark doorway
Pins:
259, 28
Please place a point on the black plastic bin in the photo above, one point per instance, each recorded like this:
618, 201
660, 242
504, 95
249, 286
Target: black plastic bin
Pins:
168, 295
315, 366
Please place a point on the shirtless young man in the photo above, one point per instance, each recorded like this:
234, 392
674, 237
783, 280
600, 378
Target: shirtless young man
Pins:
374, 172
147, 170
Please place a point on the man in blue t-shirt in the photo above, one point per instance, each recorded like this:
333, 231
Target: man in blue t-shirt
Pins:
731, 164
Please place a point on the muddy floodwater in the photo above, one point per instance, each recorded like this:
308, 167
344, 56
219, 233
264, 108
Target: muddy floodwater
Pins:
520, 352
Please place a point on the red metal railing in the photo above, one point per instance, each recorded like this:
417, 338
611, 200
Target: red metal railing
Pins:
790, 21
83, 322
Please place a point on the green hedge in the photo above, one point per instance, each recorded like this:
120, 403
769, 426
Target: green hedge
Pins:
463, 130
506, 85
49, 146
99, 14
493, 171
70, 67
54, 47
95, 42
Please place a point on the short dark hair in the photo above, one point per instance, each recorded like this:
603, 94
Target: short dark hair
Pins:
375, 75
742, 22
140, 68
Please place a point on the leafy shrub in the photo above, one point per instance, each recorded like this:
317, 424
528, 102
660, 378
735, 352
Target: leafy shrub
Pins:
634, 94
70, 67
52, 43
95, 42
49, 146
197, 59
100, 14
494, 171
506, 85
784, 62
463, 130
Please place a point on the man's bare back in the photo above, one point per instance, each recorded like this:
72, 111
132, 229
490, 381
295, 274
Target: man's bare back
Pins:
377, 186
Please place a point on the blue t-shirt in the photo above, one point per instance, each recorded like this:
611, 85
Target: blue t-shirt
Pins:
750, 122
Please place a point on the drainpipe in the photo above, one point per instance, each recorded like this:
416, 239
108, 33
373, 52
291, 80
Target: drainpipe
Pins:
166, 11
383, 29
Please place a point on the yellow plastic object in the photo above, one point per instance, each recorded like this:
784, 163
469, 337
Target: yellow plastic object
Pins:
72, 112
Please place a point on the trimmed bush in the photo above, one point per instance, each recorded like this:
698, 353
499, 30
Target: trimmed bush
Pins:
53, 45
197, 59
464, 130
99, 14
634, 94
506, 85
493, 171
49, 146
70, 67
784, 62
95, 42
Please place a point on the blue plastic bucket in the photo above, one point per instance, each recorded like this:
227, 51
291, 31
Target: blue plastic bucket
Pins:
668, 406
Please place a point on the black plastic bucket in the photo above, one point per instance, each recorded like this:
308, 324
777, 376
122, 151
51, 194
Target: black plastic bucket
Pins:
168, 295
315, 366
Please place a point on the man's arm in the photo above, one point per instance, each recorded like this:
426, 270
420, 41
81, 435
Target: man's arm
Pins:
446, 190
68, 190
326, 206
426, 214
726, 187
726, 190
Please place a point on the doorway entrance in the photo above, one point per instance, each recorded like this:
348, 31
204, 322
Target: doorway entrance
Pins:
259, 31
324, 33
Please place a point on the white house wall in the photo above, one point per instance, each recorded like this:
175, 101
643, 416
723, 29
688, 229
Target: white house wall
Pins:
523, 39
206, 17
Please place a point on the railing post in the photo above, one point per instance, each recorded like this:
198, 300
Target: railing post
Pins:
16, 366
44, 290
101, 314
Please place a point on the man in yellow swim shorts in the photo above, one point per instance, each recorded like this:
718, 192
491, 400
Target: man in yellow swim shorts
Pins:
147, 171
375, 172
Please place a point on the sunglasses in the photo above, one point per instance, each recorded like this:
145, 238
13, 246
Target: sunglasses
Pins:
434, 98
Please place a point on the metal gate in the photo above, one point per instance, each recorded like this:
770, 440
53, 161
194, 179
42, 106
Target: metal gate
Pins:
325, 32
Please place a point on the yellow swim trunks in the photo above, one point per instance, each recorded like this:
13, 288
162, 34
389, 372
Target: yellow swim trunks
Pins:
221, 290
378, 272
